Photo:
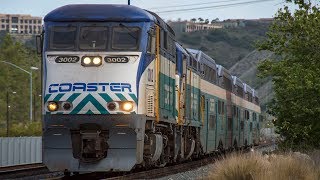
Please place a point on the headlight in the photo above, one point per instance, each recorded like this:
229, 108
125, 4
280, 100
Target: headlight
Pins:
96, 61
66, 106
127, 106
87, 61
91, 61
52, 106
112, 106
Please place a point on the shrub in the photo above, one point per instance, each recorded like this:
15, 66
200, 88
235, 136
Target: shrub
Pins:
254, 166
240, 167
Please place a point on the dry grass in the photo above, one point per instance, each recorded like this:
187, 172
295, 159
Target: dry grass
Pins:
294, 166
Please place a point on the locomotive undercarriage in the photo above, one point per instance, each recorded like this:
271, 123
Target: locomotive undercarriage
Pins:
88, 143
115, 143
169, 143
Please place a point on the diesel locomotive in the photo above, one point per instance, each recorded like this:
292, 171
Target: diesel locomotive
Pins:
119, 92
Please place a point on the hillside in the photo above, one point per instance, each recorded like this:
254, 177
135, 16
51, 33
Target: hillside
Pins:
246, 69
234, 48
226, 46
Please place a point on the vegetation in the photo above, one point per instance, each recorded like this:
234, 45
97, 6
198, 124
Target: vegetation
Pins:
17, 84
255, 166
24, 129
295, 38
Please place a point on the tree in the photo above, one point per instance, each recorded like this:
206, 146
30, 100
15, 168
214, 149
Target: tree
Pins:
193, 20
200, 19
13, 79
206, 21
295, 38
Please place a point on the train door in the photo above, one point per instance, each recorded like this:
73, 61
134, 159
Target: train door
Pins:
221, 123
235, 125
211, 116
241, 131
246, 128
188, 95
228, 86
250, 132
204, 124
183, 94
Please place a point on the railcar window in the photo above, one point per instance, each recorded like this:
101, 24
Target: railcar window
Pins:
229, 124
212, 122
254, 116
228, 85
195, 64
63, 38
242, 125
240, 91
165, 40
93, 38
222, 106
124, 37
219, 107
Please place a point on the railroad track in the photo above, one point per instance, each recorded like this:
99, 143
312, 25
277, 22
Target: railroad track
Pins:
22, 170
39, 171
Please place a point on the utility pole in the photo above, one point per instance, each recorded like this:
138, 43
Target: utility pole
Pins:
7, 113
128, 2
34, 106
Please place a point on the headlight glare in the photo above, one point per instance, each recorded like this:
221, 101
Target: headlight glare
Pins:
86, 60
127, 106
96, 61
52, 106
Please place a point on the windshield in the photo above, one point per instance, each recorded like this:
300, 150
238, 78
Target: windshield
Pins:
63, 37
93, 38
125, 37
112, 37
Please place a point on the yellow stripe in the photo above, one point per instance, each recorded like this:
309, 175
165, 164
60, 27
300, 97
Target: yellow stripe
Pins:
157, 73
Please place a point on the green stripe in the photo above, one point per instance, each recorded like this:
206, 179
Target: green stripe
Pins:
106, 97
89, 112
59, 112
47, 97
58, 97
121, 97
134, 98
86, 100
73, 97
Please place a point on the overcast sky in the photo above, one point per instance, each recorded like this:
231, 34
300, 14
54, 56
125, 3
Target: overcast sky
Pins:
215, 8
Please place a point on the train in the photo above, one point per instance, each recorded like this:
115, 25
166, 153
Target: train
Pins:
119, 92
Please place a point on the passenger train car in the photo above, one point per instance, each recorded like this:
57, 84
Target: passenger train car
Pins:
119, 92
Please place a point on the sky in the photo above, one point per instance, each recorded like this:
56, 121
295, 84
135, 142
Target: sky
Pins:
217, 8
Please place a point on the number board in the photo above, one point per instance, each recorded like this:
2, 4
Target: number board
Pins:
67, 59
116, 59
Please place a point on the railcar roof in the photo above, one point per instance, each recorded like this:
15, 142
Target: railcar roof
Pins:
99, 12
180, 48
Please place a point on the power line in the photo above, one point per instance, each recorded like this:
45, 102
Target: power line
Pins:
195, 4
213, 7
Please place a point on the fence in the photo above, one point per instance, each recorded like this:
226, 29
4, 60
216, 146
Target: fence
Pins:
20, 150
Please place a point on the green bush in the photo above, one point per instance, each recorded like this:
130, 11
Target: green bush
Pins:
23, 129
